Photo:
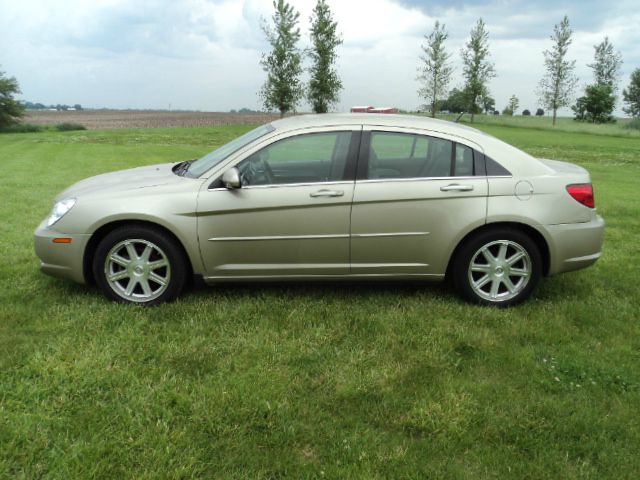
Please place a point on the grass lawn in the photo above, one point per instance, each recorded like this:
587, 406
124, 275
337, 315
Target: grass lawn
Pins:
315, 381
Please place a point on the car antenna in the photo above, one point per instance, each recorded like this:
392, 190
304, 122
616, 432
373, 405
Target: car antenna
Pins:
459, 116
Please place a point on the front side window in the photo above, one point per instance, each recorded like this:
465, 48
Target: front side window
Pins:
310, 158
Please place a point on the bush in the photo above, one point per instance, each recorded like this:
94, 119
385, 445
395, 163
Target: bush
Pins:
496, 112
633, 124
526, 113
68, 127
539, 112
22, 128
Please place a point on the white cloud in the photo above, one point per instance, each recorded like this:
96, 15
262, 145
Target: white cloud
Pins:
204, 54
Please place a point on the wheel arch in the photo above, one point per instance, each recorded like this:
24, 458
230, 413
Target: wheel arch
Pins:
530, 231
107, 228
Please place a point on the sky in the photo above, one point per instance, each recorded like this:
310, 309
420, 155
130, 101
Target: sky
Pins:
204, 54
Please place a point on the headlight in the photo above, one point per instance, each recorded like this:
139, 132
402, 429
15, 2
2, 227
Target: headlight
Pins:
59, 210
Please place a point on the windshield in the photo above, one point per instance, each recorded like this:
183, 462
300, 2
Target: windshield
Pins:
210, 160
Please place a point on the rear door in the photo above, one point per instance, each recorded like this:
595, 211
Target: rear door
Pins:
416, 195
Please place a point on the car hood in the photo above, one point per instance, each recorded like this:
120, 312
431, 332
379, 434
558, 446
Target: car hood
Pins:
123, 180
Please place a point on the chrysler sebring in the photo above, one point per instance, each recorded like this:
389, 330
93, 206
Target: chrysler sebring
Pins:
353, 196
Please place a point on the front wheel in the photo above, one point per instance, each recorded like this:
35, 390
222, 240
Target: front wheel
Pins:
499, 267
138, 264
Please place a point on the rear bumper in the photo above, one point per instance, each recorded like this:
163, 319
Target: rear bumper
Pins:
575, 245
63, 260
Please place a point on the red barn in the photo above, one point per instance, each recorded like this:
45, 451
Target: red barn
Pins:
360, 109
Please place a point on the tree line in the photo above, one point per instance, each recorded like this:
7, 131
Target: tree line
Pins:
283, 88
555, 89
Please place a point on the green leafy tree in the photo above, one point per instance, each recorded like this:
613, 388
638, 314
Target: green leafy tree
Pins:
324, 85
488, 104
556, 88
596, 105
478, 70
434, 73
512, 106
599, 100
539, 112
606, 65
456, 102
283, 88
631, 95
11, 111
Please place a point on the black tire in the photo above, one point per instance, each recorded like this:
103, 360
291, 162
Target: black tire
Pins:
513, 286
158, 278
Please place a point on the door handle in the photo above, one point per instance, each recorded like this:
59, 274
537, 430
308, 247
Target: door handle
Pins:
454, 187
327, 193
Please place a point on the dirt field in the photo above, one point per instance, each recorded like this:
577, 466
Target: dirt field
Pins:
93, 119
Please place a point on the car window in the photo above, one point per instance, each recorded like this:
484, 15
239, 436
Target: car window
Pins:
210, 160
463, 161
310, 158
403, 155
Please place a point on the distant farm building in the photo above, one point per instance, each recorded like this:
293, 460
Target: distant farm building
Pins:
371, 109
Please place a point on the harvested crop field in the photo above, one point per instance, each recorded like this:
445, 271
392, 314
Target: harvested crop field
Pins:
93, 119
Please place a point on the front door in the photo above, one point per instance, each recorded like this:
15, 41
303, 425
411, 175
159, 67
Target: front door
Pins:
290, 218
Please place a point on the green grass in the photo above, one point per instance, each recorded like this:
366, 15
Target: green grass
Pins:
314, 381
563, 124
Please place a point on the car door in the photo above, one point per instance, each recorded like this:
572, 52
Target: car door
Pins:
291, 215
416, 195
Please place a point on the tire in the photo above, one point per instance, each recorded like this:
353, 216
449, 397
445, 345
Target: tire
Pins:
500, 267
141, 265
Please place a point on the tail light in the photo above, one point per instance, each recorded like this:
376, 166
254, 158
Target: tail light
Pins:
583, 193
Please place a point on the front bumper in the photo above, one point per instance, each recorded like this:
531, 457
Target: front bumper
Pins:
63, 260
575, 245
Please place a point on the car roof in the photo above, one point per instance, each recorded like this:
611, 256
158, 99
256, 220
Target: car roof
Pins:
372, 119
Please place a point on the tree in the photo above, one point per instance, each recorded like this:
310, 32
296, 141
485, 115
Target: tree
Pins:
555, 89
456, 102
513, 105
324, 85
599, 99
11, 111
435, 71
526, 113
606, 65
283, 88
478, 70
631, 95
539, 112
488, 104
596, 105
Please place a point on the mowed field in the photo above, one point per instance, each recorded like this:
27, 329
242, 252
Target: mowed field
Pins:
317, 380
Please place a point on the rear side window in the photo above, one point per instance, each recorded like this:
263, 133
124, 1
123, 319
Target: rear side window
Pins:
463, 166
402, 155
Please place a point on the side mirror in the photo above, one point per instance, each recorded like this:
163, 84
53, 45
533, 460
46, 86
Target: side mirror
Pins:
231, 178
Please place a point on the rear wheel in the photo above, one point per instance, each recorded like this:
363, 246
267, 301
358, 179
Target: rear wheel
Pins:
139, 265
499, 267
